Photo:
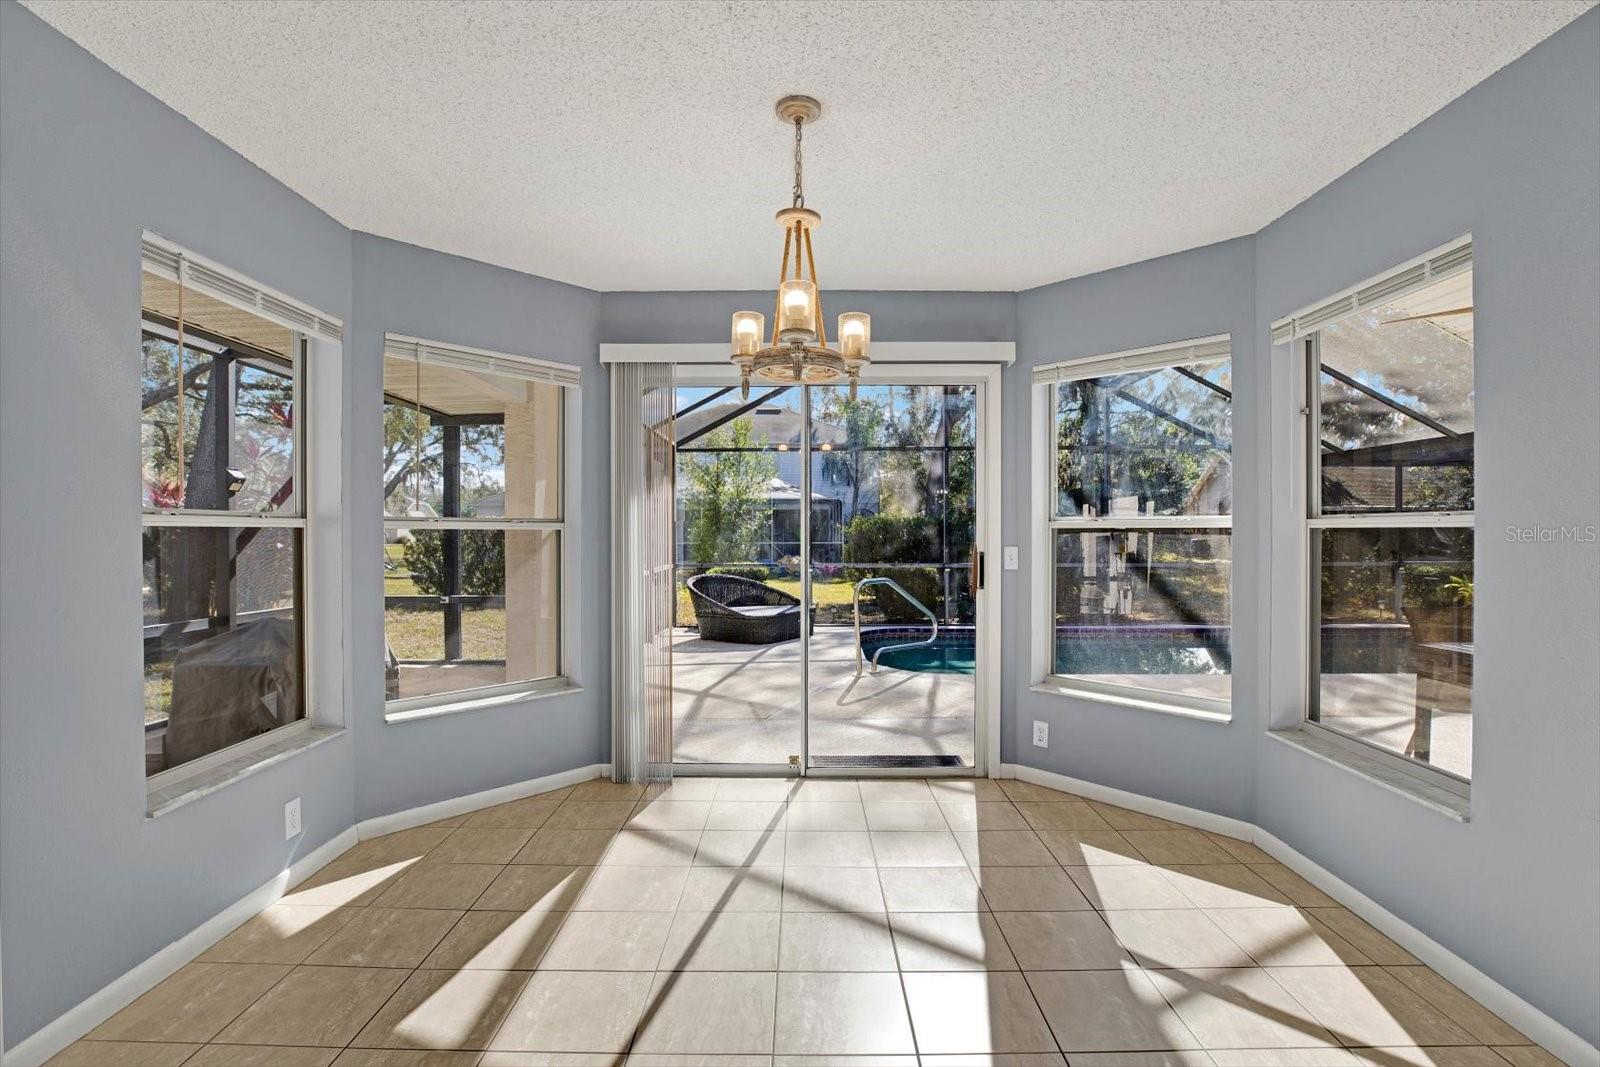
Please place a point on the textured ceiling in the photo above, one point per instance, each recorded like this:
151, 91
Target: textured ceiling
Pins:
963, 146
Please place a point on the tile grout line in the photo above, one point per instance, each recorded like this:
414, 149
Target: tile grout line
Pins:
1006, 940
1162, 868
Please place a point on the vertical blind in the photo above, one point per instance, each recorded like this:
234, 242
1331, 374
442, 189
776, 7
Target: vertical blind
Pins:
643, 457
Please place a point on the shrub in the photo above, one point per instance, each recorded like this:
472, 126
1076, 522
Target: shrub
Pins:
895, 539
483, 561
758, 572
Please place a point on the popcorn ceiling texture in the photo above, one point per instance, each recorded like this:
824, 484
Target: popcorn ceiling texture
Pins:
623, 146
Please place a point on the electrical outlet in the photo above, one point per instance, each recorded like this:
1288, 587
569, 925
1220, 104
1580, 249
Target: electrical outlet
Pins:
1041, 734
1011, 557
291, 819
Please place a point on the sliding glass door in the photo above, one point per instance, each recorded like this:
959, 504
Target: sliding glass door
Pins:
825, 548
737, 676
892, 656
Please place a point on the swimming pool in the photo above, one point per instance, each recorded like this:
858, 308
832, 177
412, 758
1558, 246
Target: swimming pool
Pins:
1083, 650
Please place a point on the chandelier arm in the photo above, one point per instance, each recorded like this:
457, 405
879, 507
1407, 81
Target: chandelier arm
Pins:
811, 261
783, 274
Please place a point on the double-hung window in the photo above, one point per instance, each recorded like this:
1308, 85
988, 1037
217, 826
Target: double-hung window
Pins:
1389, 440
1139, 524
473, 485
223, 496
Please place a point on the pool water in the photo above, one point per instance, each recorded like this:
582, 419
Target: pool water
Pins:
956, 653
947, 655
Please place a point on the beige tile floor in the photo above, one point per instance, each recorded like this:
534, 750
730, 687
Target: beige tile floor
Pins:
741, 922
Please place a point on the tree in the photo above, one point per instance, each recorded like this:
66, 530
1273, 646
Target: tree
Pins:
727, 494
483, 561
1152, 435
482, 460
862, 421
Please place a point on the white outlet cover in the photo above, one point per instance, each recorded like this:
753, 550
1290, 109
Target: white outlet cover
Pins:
1011, 557
1041, 734
291, 819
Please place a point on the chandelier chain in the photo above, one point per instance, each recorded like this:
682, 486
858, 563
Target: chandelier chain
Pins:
799, 190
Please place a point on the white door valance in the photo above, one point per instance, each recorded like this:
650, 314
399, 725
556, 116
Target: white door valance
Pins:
1155, 357
176, 264
448, 355
1441, 263
716, 352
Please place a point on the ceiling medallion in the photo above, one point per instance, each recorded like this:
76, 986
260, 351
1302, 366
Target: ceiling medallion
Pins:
797, 352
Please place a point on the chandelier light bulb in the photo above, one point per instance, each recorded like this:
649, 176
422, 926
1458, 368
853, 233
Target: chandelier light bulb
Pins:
798, 300
747, 329
855, 335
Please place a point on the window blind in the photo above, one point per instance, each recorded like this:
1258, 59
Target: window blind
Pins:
167, 260
1156, 357
1437, 265
448, 355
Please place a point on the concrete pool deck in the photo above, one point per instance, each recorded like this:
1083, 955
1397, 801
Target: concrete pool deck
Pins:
737, 704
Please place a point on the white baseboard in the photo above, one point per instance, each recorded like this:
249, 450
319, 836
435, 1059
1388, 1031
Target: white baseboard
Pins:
1571, 1047
444, 809
120, 992
1161, 809
1497, 998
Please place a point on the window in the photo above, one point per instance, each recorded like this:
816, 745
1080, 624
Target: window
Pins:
1140, 523
223, 496
473, 482
1389, 530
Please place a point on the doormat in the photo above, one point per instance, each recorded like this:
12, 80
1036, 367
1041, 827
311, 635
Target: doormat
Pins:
887, 761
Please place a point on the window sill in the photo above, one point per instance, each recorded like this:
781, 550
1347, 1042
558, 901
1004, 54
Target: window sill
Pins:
1130, 701
170, 796
1379, 771
450, 705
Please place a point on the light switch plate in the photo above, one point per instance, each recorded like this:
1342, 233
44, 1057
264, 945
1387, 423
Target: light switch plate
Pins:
291, 819
1011, 557
1041, 734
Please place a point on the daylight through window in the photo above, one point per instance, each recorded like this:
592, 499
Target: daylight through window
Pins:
473, 520
1140, 528
1390, 416
224, 519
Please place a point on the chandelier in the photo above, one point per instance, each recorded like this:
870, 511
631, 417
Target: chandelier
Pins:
797, 351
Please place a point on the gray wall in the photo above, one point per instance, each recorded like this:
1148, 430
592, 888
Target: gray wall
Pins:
400, 288
1205, 764
88, 886
1516, 161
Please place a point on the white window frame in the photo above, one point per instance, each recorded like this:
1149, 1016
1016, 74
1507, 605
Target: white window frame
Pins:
1046, 523
164, 258
1302, 333
549, 372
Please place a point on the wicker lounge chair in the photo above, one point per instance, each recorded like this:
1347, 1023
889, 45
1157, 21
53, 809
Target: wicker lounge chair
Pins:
742, 611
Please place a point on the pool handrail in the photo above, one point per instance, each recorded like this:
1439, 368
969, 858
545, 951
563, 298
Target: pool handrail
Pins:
919, 605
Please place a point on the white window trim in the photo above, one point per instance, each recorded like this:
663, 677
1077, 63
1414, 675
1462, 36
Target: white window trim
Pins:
175, 263
168, 260
566, 679
1045, 523
1449, 259
1396, 769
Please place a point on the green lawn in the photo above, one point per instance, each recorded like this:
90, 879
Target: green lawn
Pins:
419, 635
396, 578
157, 691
